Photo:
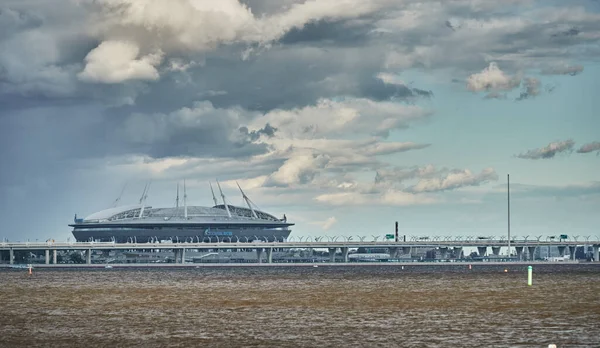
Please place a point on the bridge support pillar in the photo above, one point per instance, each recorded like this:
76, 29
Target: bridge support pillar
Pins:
531, 252
332, 254
11, 256
596, 249
345, 253
496, 251
269, 255
54, 256
561, 250
443, 253
259, 253
572, 249
176, 255
88, 256
481, 251
519, 251
47, 256
406, 250
183, 255
458, 252
393, 253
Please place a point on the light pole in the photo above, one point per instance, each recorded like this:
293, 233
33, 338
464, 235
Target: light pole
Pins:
508, 199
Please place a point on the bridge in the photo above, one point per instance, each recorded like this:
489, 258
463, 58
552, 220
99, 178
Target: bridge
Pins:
443, 245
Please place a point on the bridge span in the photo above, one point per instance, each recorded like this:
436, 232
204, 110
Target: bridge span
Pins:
264, 250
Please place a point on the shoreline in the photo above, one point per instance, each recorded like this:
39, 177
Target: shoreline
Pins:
314, 265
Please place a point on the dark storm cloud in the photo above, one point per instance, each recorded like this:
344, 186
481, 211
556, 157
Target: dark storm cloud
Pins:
281, 77
325, 32
266, 7
199, 131
569, 32
374, 88
254, 135
12, 21
563, 70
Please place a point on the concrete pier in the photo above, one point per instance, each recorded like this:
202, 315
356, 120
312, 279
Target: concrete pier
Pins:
47, 252
443, 253
332, 254
596, 255
259, 253
531, 251
519, 251
481, 250
88, 256
11, 256
345, 253
496, 251
269, 255
54, 256
406, 250
572, 249
458, 252
561, 250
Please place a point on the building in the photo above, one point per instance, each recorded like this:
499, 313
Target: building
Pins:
219, 223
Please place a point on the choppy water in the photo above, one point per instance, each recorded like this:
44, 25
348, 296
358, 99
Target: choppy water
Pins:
302, 307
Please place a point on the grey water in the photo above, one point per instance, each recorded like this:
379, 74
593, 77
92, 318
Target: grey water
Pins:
371, 306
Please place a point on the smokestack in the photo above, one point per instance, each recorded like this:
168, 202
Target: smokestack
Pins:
396, 231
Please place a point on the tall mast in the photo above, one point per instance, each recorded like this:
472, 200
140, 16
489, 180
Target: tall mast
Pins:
508, 196
185, 216
213, 194
143, 199
143, 193
119, 198
223, 196
247, 201
177, 199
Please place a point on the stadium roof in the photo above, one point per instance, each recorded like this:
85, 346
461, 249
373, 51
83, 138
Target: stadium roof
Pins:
129, 212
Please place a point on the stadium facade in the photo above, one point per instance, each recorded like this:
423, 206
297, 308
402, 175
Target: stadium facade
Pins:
219, 223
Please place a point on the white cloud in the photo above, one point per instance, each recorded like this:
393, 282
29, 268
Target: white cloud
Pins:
531, 88
391, 79
390, 197
590, 147
548, 151
117, 61
351, 115
326, 224
199, 25
298, 169
455, 179
492, 79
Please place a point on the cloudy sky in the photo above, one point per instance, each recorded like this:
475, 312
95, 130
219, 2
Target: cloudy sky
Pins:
346, 115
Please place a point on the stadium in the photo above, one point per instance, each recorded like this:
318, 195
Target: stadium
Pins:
220, 223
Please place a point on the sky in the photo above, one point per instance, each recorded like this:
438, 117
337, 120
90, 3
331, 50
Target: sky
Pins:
345, 115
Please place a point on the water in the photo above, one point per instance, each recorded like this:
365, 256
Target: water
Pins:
302, 307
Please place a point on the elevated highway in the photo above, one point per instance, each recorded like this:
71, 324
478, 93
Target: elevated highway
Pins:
444, 246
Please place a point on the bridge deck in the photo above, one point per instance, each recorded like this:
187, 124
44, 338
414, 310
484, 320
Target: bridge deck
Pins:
252, 245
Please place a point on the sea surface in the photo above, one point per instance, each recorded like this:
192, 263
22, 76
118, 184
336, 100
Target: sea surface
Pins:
368, 306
